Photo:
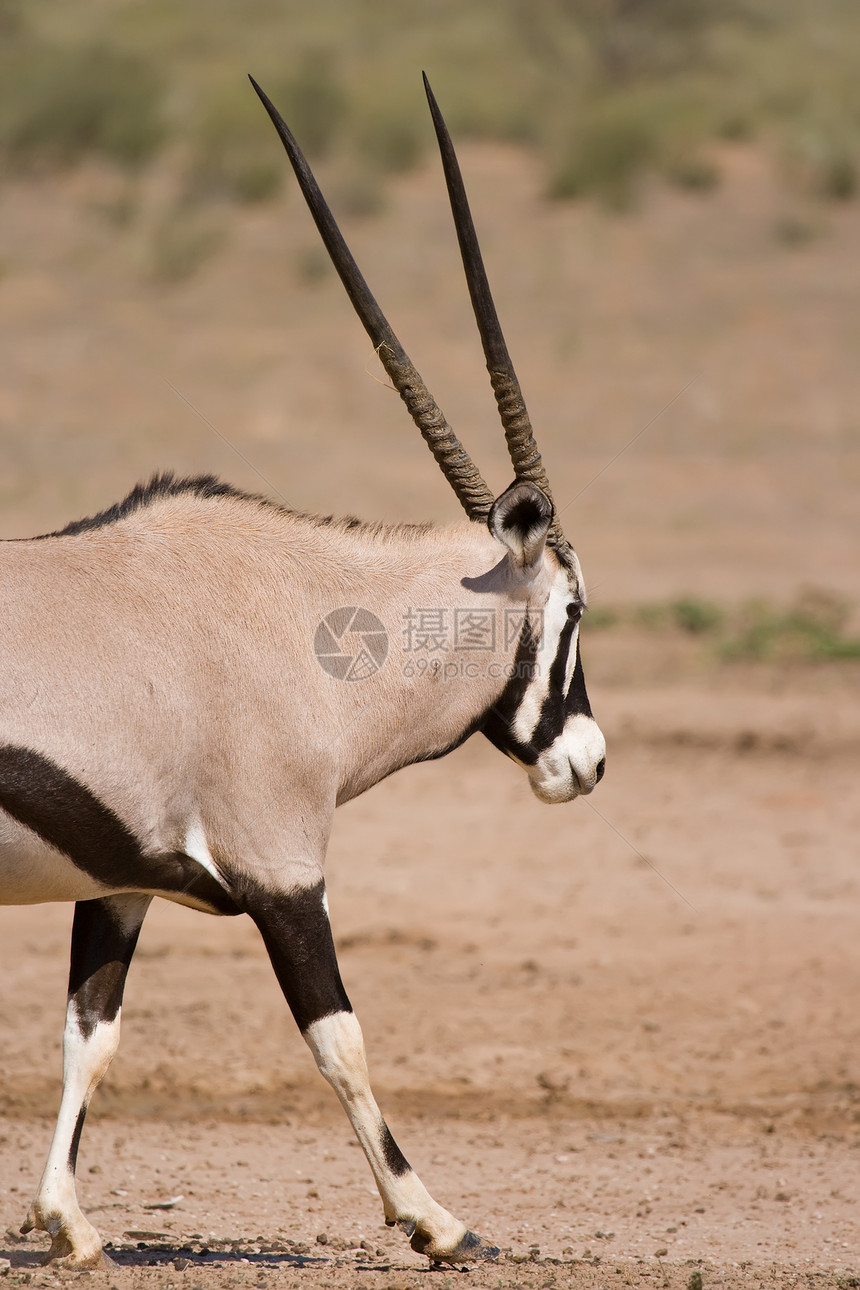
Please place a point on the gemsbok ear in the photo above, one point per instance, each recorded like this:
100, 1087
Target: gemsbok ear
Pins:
520, 520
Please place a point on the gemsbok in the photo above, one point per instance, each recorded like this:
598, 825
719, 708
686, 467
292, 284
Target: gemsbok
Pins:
194, 679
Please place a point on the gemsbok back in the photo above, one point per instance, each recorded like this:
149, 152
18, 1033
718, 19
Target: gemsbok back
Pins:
194, 679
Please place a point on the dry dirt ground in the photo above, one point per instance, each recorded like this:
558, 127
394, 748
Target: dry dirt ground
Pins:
619, 1037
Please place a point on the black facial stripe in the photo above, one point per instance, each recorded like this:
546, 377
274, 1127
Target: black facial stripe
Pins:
297, 934
102, 948
497, 723
551, 717
552, 713
557, 705
576, 703
76, 1139
556, 708
51, 802
394, 1157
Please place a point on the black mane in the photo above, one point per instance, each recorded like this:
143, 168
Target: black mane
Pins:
165, 484
162, 484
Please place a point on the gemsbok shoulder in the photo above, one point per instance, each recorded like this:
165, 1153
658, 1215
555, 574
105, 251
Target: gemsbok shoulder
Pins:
194, 679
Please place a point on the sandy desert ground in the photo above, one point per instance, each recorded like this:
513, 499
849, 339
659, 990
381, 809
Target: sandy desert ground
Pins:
619, 1037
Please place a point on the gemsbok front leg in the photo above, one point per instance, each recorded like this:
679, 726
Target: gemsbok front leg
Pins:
104, 936
297, 934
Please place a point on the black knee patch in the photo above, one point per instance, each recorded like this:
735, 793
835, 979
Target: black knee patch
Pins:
102, 949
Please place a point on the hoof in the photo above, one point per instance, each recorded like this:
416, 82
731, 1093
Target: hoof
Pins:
76, 1246
61, 1255
470, 1249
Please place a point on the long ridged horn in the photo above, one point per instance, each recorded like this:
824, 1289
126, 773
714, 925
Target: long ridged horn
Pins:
456, 464
520, 438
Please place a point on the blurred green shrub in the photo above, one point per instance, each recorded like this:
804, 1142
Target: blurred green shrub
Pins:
608, 155
602, 618
607, 90
231, 155
814, 629
696, 616
796, 230
314, 103
59, 103
694, 172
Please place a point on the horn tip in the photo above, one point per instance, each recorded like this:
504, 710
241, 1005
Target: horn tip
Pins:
262, 95
431, 97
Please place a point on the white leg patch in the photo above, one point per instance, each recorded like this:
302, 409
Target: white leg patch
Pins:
197, 848
338, 1047
55, 1208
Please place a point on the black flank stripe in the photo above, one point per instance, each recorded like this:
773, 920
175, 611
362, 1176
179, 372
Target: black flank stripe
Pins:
51, 802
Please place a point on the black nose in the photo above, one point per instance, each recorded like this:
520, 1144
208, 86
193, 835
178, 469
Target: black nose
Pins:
601, 767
